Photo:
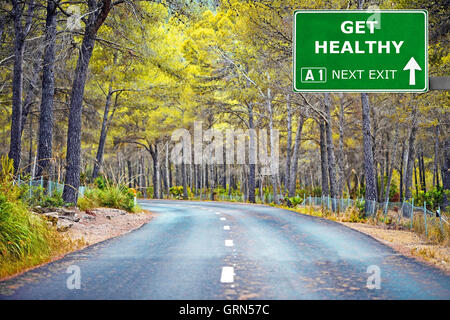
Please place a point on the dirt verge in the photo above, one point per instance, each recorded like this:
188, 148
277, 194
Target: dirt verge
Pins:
407, 243
104, 223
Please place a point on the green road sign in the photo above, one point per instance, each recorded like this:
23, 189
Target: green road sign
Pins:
360, 51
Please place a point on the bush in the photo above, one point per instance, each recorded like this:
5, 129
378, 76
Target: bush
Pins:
100, 182
293, 202
25, 238
119, 197
39, 197
353, 215
433, 198
177, 192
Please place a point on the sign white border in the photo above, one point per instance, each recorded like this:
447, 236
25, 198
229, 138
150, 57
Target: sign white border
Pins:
315, 68
423, 11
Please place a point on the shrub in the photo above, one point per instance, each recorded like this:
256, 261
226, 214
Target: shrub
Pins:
25, 238
353, 215
293, 201
119, 197
100, 182
176, 191
433, 197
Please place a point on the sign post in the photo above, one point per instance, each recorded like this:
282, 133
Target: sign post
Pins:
360, 51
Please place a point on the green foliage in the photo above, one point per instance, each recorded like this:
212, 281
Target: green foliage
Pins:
150, 191
37, 196
177, 192
25, 239
433, 198
293, 201
301, 192
111, 196
221, 191
360, 205
316, 192
20, 232
100, 182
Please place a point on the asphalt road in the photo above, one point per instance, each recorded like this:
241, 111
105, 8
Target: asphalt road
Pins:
213, 250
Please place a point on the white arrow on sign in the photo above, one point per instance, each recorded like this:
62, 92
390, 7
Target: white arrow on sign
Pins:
412, 66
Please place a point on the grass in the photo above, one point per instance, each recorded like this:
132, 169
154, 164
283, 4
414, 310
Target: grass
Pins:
26, 239
437, 232
109, 196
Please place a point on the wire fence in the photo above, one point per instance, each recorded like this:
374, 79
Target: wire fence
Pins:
403, 213
37, 185
265, 199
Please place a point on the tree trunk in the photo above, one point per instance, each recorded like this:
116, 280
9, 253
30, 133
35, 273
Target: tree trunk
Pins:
103, 133
381, 193
31, 92
289, 142
423, 181
252, 155
99, 11
341, 149
48, 91
436, 157
401, 171
369, 172
330, 148
130, 174
183, 179
20, 33
156, 172
391, 166
167, 175
446, 174
415, 179
211, 183
411, 156
295, 156
323, 159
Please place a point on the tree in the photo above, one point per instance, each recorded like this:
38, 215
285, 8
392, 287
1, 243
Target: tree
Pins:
48, 91
20, 31
330, 147
98, 12
369, 171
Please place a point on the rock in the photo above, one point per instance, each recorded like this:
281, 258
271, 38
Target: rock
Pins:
66, 211
51, 217
39, 209
91, 213
63, 226
43, 210
88, 217
73, 218
68, 214
108, 217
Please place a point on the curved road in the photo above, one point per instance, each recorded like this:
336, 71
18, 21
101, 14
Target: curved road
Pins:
213, 250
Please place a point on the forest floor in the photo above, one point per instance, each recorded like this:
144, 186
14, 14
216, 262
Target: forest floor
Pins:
106, 223
403, 241
407, 243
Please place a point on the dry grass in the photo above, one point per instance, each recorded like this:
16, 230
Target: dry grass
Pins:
432, 247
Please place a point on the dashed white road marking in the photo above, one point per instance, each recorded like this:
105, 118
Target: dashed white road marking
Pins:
217, 212
226, 227
223, 219
229, 243
227, 275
